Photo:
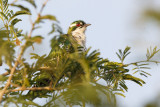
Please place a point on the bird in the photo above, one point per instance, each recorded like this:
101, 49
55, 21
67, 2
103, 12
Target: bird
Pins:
74, 37
77, 31
65, 44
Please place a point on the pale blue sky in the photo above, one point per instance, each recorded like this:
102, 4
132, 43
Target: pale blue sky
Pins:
114, 26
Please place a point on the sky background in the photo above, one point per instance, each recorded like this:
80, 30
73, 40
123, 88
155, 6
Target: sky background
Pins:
115, 25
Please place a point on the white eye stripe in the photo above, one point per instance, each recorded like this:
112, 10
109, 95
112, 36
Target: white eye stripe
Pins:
73, 25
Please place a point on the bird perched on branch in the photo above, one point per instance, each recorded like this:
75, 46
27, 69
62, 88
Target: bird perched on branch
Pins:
74, 37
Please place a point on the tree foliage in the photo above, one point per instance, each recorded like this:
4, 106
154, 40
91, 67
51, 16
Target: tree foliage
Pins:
65, 76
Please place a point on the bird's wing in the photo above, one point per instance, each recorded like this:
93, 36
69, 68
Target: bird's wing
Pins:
60, 42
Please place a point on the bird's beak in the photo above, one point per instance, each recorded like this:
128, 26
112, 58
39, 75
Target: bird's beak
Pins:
87, 25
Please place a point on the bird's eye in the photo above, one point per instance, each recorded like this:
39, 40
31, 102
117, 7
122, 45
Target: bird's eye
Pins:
78, 25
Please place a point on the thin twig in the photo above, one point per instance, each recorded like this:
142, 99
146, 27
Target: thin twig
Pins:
15, 85
5, 74
144, 61
44, 4
45, 68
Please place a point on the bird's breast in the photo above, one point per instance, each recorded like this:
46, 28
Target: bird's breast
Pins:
80, 38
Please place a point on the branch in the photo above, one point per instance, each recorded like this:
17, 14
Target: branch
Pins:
5, 74
33, 89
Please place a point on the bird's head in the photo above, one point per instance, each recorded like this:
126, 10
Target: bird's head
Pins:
78, 26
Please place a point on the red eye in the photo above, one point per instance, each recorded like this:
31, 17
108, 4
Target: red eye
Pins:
78, 25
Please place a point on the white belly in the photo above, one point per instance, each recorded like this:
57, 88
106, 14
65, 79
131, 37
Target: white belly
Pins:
80, 38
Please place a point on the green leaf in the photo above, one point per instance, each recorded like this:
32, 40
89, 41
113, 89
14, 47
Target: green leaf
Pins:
37, 27
118, 56
126, 50
136, 72
4, 34
3, 78
143, 64
7, 50
49, 17
122, 55
37, 39
23, 101
19, 13
3, 15
12, 12
120, 94
123, 85
146, 73
144, 67
15, 21
5, 10
132, 78
152, 13
1, 2
53, 29
5, 3
151, 52
21, 7
143, 74
34, 56
32, 2
9, 14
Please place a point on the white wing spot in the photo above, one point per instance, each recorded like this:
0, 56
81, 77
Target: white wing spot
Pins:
61, 45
